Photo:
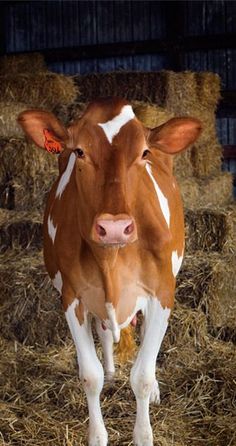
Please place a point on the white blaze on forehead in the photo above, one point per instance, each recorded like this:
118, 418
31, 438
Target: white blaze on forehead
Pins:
65, 178
57, 281
112, 321
112, 128
162, 199
51, 229
176, 262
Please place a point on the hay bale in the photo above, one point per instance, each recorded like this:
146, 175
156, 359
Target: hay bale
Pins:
211, 229
210, 191
156, 87
208, 282
22, 63
9, 112
26, 174
20, 230
46, 90
139, 86
30, 308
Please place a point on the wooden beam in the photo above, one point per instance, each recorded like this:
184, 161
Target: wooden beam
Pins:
229, 151
178, 44
227, 105
175, 13
2, 29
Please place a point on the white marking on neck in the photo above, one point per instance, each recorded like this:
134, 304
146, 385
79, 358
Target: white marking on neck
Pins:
57, 282
112, 321
65, 178
52, 230
162, 199
176, 262
112, 128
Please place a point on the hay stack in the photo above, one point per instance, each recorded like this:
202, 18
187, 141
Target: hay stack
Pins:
22, 63
208, 282
151, 86
26, 174
44, 90
211, 229
209, 191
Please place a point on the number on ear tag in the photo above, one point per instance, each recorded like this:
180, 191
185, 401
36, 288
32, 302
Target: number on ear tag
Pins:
51, 144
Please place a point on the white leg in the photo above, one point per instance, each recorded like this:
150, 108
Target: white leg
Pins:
143, 371
106, 339
91, 373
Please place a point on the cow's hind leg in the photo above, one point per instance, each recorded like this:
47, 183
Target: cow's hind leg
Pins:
106, 340
90, 370
143, 371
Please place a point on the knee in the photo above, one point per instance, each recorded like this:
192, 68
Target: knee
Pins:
142, 382
92, 379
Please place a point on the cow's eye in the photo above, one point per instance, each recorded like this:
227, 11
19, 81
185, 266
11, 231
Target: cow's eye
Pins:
145, 154
79, 152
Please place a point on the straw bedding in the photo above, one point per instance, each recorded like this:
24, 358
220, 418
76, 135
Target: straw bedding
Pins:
20, 229
42, 400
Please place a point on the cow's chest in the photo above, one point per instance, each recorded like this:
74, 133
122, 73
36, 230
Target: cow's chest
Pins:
123, 289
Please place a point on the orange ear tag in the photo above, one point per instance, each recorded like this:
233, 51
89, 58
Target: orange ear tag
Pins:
51, 144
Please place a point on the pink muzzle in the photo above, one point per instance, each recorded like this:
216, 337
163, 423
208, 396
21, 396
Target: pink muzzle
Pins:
113, 230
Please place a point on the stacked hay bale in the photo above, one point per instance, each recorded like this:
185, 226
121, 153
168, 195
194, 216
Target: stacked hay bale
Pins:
39, 389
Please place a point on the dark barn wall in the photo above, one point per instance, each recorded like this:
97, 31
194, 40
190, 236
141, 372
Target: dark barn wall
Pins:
36, 25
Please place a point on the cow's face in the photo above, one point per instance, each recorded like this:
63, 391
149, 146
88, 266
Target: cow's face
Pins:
106, 152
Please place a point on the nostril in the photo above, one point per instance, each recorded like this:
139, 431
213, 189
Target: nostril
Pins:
129, 229
100, 230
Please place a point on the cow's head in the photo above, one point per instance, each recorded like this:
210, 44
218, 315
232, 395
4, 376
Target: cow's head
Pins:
106, 151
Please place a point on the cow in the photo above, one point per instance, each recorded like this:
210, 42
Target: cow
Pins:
114, 239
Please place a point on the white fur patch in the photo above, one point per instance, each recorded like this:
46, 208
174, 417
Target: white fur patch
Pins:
162, 199
52, 230
112, 128
112, 321
176, 262
143, 371
65, 178
57, 282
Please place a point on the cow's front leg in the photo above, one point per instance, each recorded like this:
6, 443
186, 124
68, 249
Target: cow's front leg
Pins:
90, 370
143, 371
106, 339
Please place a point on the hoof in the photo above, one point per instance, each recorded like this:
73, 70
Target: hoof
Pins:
155, 393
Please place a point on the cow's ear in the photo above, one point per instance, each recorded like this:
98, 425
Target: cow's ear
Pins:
45, 130
175, 135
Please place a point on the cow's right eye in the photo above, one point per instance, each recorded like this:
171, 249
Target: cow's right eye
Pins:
79, 152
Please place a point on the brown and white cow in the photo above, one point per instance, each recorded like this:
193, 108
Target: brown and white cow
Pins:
114, 238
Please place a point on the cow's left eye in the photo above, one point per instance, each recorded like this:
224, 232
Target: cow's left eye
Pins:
79, 152
145, 154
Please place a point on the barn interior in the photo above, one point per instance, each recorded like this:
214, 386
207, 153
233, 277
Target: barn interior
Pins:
168, 59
